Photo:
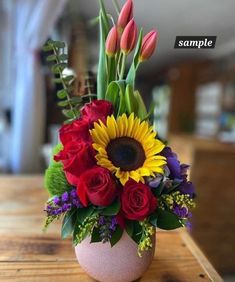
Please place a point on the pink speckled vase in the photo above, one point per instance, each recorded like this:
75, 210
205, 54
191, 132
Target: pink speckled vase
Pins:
120, 263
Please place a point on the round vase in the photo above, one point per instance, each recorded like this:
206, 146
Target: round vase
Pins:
119, 263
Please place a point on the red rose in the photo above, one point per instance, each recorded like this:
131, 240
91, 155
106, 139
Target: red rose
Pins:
98, 186
76, 158
137, 201
77, 130
97, 109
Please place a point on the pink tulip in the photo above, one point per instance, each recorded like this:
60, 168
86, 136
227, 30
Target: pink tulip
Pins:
129, 37
125, 15
148, 45
112, 42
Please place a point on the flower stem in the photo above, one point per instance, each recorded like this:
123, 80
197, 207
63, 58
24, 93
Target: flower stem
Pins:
123, 64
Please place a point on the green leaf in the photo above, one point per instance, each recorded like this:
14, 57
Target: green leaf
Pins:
68, 113
167, 220
115, 94
95, 236
137, 232
63, 103
58, 44
129, 227
63, 57
130, 79
68, 78
67, 224
130, 100
76, 100
153, 219
57, 80
58, 68
47, 48
84, 213
142, 112
151, 111
104, 18
61, 94
116, 236
101, 72
51, 58
112, 209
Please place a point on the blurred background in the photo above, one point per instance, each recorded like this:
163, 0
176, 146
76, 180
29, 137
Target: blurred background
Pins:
193, 91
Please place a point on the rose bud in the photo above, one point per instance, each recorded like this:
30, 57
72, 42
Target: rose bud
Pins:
125, 15
129, 37
112, 42
148, 45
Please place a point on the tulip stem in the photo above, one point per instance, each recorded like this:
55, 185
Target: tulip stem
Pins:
123, 64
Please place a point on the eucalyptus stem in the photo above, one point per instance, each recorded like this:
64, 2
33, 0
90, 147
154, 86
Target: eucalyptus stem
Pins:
123, 64
64, 84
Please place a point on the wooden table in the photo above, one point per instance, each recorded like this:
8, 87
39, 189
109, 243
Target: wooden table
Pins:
26, 254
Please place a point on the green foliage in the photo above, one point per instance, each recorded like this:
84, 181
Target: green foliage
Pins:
115, 94
57, 149
131, 102
111, 209
84, 213
134, 230
167, 220
153, 219
95, 236
68, 224
141, 110
81, 231
59, 61
101, 73
55, 180
116, 236
49, 219
130, 79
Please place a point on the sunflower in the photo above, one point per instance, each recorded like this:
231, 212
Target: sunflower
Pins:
128, 148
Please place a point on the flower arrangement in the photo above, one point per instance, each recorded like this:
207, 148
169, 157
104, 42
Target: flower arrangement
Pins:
111, 172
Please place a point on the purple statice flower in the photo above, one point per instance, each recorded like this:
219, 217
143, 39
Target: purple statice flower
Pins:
56, 200
187, 187
63, 203
113, 224
65, 197
107, 225
180, 211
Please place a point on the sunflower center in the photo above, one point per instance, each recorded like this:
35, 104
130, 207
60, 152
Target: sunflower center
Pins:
126, 153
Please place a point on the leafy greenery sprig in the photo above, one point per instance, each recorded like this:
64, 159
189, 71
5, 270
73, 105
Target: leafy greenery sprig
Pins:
59, 60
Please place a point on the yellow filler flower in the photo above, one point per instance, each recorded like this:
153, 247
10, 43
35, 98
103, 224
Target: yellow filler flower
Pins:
128, 148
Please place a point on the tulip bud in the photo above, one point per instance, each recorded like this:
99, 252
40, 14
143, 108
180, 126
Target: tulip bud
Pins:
148, 45
125, 15
112, 42
129, 37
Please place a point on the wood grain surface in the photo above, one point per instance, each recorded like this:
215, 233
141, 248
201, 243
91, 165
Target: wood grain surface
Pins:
27, 254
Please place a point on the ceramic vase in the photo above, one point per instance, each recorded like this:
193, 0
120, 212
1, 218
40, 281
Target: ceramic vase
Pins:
119, 263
